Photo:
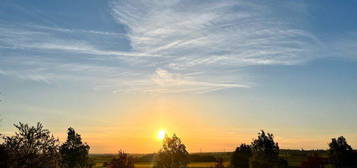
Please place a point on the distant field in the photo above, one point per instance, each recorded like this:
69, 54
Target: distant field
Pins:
206, 160
150, 165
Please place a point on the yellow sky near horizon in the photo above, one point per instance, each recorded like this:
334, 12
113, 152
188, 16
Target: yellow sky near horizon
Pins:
135, 128
203, 124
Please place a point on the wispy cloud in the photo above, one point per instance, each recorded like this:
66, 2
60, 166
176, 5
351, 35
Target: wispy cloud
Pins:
175, 46
171, 82
213, 32
16, 38
66, 30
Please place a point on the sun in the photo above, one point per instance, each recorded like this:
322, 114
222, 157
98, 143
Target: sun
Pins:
161, 134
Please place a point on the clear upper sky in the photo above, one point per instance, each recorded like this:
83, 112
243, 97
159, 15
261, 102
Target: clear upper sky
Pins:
215, 72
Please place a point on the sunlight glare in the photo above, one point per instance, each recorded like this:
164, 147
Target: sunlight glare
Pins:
161, 134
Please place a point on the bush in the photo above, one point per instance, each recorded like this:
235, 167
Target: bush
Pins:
240, 157
123, 160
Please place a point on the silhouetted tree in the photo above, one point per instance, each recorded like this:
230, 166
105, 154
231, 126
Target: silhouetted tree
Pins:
32, 147
173, 154
74, 152
123, 160
219, 163
313, 161
240, 157
265, 153
341, 154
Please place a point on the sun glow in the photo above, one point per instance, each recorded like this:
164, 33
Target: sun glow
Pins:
161, 134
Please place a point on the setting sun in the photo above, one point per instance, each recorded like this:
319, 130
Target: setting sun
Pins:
161, 134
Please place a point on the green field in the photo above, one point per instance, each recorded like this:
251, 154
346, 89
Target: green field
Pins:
206, 160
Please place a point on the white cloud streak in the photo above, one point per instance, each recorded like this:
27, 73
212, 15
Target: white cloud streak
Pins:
176, 46
213, 32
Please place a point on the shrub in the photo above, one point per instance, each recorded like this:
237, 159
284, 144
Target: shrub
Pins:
240, 157
123, 160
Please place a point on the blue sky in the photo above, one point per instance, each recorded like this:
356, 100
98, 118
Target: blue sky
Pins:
285, 66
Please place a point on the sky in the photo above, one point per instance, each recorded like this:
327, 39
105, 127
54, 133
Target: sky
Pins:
214, 72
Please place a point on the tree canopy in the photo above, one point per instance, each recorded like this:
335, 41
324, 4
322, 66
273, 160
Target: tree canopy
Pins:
74, 152
31, 146
265, 152
240, 157
341, 153
173, 154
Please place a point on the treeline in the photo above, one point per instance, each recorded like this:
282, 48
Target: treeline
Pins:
36, 147
263, 152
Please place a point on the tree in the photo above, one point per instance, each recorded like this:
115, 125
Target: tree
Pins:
173, 154
31, 147
265, 152
314, 161
341, 154
74, 152
123, 160
240, 157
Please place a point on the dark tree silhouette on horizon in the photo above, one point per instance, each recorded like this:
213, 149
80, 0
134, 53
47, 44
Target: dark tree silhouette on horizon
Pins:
173, 154
30, 147
74, 152
265, 152
341, 154
240, 157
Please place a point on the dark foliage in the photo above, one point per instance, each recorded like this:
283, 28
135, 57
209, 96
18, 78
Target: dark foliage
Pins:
31, 147
74, 152
4, 157
123, 160
173, 154
313, 161
265, 153
341, 154
240, 157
